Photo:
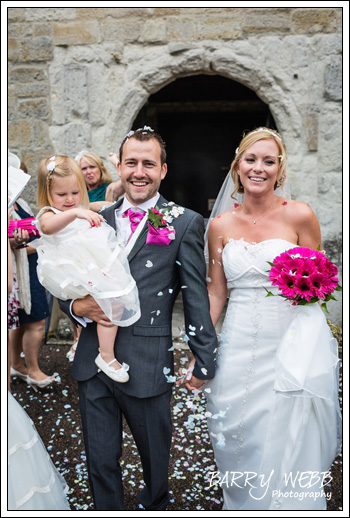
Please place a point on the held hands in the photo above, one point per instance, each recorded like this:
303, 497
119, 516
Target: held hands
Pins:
190, 381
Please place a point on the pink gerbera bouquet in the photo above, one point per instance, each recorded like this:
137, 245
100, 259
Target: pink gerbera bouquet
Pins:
304, 276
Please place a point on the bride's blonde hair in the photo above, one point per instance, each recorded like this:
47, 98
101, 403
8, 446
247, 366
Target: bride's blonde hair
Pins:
248, 140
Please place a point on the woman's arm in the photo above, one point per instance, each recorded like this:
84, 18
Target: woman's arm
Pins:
307, 226
217, 283
114, 191
51, 223
96, 206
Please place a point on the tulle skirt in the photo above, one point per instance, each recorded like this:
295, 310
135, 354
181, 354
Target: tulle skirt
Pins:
34, 484
90, 262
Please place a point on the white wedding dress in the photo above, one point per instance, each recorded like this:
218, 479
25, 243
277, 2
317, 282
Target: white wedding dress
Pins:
273, 411
34, 484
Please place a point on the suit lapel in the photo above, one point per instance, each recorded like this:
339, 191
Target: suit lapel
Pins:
141, 241
109, 216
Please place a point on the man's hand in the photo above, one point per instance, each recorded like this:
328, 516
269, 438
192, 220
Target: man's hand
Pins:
190, 381
88, 307
194, 383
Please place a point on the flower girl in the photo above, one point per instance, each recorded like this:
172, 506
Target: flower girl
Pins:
79, 254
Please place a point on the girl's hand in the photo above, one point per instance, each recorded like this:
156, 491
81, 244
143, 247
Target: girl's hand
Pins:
92, 217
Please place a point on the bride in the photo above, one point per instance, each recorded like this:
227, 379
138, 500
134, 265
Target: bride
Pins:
273, 412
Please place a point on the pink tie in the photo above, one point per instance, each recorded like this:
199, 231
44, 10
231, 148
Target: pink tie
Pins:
135, 218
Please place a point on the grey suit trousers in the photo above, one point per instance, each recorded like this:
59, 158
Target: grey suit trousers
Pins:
149, 421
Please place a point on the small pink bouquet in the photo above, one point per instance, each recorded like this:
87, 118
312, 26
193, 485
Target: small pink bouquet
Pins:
304, 276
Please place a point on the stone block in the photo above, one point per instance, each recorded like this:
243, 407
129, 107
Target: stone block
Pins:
41, 89
76, 137
181, 29
20, 31
20, 134
36, 49
333, 81
42, 29
168, 11
215, 28
37, 108
176, 47
266, 20
41, 136
153, 31
310, 116
96, 91
76, 33
125, 31
75, 92
114, 12
13, 50
314, 21
330, 184
11, 102
16, 14
22, 74
46, 14
32, 159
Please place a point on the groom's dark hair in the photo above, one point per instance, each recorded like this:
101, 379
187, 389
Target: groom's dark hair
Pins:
142, 135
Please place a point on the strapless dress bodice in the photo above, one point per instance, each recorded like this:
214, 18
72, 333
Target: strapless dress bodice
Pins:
246, 264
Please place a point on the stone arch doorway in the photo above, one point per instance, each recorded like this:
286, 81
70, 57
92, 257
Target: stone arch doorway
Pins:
201, 119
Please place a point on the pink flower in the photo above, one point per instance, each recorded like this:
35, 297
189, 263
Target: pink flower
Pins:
304, 276
303, 288
286, 285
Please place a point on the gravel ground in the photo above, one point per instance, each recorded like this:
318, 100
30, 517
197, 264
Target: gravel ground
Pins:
55, 413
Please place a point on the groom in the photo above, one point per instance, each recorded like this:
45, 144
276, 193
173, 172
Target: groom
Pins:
160, 267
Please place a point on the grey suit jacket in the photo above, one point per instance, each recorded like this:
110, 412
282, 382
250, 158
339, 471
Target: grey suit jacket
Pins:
147, 345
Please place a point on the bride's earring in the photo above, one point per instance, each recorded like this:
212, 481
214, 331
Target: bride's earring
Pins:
240, 188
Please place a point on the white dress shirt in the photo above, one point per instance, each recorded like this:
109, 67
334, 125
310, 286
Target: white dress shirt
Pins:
124, 223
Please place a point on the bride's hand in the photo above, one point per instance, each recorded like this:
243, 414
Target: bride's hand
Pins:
186, 374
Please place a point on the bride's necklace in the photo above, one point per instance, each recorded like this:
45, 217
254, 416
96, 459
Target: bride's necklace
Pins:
261, 217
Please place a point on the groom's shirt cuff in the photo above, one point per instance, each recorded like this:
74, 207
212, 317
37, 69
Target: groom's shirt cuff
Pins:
83, 321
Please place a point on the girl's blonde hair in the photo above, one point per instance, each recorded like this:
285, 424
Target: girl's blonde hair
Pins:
58, 166
97, 161
248, 140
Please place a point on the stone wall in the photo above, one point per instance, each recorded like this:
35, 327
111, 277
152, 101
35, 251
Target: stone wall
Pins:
78, 77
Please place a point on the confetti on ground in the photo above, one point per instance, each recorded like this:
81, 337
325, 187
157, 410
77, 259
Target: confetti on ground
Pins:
55, 413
